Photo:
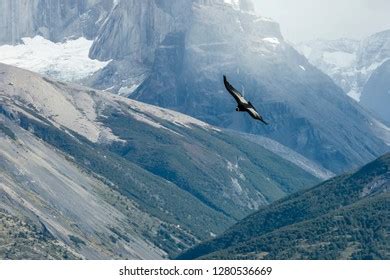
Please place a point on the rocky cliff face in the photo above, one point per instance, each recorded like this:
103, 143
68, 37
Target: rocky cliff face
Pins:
350, 63
374, 62
376, 92
374, 50
52, 19
134, 29
338, 59
130, 37
359, 68
173, 54
307, 110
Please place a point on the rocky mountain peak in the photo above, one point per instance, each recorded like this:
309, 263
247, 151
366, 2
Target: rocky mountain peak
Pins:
134, 29
350, 63
54, 20
374, 49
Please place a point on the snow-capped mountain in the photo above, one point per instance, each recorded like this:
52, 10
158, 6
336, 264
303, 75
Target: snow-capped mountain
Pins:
338, 59
52, 37
67, 61
375, 51
133, 43
103, 176
54, 19
173, 54
90, 174
376, 92
176, 57
350, 63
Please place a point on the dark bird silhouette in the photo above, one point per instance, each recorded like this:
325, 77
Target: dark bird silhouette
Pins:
242, 104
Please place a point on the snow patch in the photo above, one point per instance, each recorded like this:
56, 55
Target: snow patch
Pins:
370, 69
66, 61
348, 62
236, 186
340, 59
258, 19
234, 3
234, 168
354, 94
272, 40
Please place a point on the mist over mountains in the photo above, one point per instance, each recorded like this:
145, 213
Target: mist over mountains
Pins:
357, 67
125, 144
181, 64
173, 54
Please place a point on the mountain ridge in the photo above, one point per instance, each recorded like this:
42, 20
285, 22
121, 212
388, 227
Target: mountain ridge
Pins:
175, 58
149, 161
309, 112
296, 226
353, 65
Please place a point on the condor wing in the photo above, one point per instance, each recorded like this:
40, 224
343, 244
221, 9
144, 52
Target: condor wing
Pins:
254, 114
235, 93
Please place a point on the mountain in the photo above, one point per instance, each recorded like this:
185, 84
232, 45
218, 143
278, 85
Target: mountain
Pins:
376, 92
103, 176
347, 217
337, 58
351, 64
175, 58
52, 37
59, 60
173, 54
374, 50
53, 19
50, 208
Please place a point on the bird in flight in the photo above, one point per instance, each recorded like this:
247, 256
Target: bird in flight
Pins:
242, 104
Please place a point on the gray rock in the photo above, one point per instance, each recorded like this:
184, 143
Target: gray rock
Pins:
350, 63
376, 93
125, 178
134, 29
53, 19
308, 112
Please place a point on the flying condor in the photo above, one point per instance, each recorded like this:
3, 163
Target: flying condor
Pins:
242, 104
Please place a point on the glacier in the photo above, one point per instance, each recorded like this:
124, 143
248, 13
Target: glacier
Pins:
67, 61
350, 63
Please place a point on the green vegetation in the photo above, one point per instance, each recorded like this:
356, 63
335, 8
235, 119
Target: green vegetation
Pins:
347, 217
356, 232
189, 182
164, 172
196, 161
155, 196
22, 239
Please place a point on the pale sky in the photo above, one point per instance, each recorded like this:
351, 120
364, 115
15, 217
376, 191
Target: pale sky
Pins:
303, 20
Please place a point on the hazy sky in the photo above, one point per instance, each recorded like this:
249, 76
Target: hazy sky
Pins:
302, 20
